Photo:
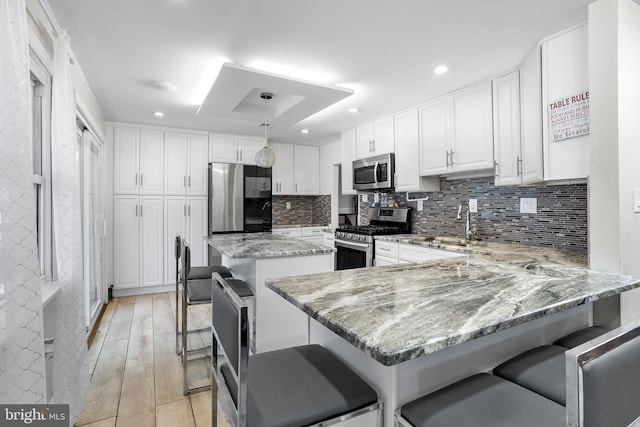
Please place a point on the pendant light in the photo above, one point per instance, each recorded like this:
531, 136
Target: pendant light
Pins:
265, 158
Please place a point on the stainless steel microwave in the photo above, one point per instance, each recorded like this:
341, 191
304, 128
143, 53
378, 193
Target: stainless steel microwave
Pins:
374, 173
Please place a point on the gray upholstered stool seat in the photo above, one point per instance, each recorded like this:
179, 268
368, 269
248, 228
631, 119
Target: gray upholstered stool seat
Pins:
541, 369
302, 385
205, 272
581, 336
484, 400
199, 291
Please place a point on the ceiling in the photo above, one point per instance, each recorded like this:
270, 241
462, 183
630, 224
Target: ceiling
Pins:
384, 51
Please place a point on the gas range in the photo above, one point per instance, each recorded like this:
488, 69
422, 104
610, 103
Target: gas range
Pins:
355, 243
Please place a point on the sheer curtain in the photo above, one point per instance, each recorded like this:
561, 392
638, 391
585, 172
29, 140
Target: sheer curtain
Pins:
71, 370
22, 371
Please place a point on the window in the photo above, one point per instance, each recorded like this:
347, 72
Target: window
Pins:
41, 148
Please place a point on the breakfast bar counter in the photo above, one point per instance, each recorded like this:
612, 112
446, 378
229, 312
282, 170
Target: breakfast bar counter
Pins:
413, 328
256, 257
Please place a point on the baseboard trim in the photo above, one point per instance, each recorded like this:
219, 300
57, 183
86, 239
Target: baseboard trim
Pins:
143, 291
96, 324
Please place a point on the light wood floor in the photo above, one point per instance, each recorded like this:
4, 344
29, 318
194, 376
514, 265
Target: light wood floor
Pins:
136, 375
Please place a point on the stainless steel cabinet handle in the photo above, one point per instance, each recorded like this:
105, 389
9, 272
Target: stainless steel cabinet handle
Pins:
189, 210
519, 166
136, 210
136, 180
184, 180
141, 176
189, 181
495, 169
447, 158
141, 210
184, 210
451, 157
385, 249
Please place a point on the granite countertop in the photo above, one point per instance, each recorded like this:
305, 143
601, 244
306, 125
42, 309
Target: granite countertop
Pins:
401, 312
263, 245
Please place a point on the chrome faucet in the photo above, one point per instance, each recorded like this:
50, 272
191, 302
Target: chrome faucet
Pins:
467, 227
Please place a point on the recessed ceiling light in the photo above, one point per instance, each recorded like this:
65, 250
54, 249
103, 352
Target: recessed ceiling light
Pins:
354, 110
305, 131
158, 114
440, 69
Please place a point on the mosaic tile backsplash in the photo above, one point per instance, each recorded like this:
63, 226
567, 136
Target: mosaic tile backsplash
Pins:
305, 210
561, 221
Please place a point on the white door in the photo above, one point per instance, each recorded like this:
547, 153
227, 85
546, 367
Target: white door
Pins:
197, 154
249, 146
93, 225
125, 163
126, 242
197, 229
223, 148
434, 138
175, 164
151, 241
472, 139
506, 129
307, 169
175, 217
151, 162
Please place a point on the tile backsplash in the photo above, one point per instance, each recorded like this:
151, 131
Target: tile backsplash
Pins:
304, 210
560, 221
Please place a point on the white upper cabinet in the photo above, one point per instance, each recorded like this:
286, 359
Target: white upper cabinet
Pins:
531, 118
282, 171
375, 138
225, 148
306, 164
137, 161
407, 154
565, 84
348, 156
506, 129
185, 164
456, 132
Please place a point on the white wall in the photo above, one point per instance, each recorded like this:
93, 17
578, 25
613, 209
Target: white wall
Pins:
330, 154
614, 67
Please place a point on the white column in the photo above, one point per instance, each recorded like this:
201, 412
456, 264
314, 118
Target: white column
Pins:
614, 67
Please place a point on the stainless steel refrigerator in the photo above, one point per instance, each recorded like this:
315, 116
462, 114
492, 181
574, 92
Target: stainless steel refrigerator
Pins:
239, 198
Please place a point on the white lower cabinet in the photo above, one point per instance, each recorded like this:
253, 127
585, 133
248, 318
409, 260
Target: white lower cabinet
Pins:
313, 234
138, 241
293, 232
186, 216
386, 253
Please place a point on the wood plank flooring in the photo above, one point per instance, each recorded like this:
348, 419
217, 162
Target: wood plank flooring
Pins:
136, 375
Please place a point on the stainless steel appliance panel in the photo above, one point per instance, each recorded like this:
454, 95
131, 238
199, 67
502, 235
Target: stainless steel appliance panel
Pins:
226, 197
374, 173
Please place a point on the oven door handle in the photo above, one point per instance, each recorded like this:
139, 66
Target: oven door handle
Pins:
352, 245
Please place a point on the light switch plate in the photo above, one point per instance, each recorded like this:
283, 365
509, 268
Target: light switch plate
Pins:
288, 205
365, 198
473, 205
529, 205
420, 205
636, 200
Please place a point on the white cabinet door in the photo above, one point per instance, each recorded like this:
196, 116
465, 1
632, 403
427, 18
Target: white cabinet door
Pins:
531, 118
293, 232
125, 160
175, 217
197, 229
175, 163
151, 241
434, 137
197, 155
126, 242
249, 146
282, 172
364, 140
151, 162
224, 148
306, 170
348, 156
472, 138
406, 131
506, 129
375, 138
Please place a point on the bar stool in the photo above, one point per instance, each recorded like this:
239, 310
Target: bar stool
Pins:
195, 273
305, 385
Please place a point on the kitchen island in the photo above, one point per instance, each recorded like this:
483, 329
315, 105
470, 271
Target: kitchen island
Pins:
411, 329
255, 257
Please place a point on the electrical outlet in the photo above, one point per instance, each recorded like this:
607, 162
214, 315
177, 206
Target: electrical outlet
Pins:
473, 205
288, 205
420, 205
529, 205
365, 198
376, 198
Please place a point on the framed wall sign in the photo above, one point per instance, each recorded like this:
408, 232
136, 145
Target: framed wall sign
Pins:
569, 116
